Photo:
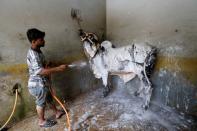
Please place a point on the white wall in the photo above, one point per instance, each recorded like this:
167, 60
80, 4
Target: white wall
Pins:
163, 23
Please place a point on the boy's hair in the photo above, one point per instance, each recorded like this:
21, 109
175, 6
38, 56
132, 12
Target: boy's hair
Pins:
34, 34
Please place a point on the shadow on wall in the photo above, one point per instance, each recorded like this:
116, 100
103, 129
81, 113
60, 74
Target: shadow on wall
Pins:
73, 82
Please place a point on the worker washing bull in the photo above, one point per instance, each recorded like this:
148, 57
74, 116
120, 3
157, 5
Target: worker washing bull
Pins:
127, 62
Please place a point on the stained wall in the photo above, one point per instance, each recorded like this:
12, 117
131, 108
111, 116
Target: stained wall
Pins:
171, 26
62, 46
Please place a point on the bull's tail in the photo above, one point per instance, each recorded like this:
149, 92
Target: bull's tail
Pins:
149, 64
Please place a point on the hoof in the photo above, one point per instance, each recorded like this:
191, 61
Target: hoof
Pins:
145, 107
105, 94
106, 91
136, 93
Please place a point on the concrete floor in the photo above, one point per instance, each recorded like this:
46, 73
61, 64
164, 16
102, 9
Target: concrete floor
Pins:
117, 112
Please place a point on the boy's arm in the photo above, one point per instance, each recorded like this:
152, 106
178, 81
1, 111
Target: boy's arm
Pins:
48, 71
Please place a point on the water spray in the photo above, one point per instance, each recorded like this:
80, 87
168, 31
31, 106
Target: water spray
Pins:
78, 64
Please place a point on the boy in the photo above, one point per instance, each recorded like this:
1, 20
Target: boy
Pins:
39, 82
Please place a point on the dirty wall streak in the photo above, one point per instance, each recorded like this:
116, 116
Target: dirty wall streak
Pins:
175, 83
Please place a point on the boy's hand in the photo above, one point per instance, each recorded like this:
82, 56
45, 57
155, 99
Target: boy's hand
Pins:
61, 67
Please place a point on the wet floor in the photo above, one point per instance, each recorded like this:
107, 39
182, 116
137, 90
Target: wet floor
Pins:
117, 112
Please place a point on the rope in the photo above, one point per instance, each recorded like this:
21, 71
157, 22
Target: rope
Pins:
144, 68
67, 116
12, 111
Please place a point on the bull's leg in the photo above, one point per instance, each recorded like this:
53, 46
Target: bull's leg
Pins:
147, 91
109, 84
137, 93
106, 88
149, 65
141, 85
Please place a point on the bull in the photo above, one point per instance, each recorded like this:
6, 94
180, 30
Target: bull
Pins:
127, 62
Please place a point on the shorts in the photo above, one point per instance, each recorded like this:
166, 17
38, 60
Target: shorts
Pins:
42, 95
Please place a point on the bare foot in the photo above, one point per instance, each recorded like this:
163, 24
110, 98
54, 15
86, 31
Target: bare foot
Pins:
47, 123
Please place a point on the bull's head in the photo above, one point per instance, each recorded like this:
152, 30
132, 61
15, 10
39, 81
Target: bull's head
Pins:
90, 43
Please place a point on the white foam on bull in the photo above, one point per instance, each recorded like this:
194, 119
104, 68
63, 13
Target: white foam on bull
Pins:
126, 62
